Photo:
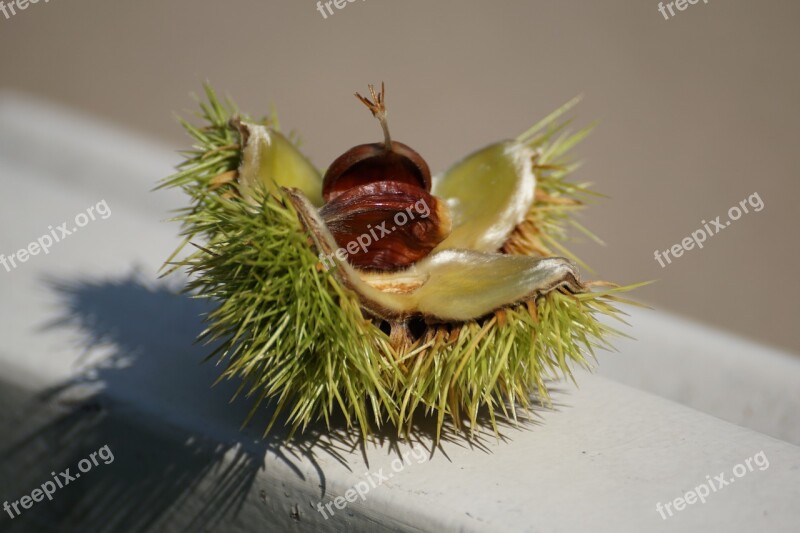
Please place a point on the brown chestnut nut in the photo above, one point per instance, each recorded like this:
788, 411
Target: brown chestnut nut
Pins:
368, 163
378, 203
386, 225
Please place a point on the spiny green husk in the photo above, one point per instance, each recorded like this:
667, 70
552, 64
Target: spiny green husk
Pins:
557, 200
297, 338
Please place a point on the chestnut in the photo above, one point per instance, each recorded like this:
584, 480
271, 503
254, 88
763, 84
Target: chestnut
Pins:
386, 225
378, 202
368, 163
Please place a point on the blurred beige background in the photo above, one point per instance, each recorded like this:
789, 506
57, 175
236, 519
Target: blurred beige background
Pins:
696, 113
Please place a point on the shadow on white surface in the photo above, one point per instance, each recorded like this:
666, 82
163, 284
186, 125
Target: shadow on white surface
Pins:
143, 392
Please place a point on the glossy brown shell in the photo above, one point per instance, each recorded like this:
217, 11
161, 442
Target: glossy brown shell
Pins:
386, 225
370, 163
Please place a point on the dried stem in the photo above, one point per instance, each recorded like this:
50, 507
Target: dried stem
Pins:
378, 108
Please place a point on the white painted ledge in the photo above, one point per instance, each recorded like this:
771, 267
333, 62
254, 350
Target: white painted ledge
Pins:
601, 461
712, 371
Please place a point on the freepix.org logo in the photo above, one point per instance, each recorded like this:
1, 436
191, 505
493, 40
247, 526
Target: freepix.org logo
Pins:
677, 5
59, 481
363, 241
55, 235
9, 9
326, 8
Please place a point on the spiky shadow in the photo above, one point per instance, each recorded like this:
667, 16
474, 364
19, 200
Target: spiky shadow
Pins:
137, 338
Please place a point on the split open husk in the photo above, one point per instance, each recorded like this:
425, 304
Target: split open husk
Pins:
468, 329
